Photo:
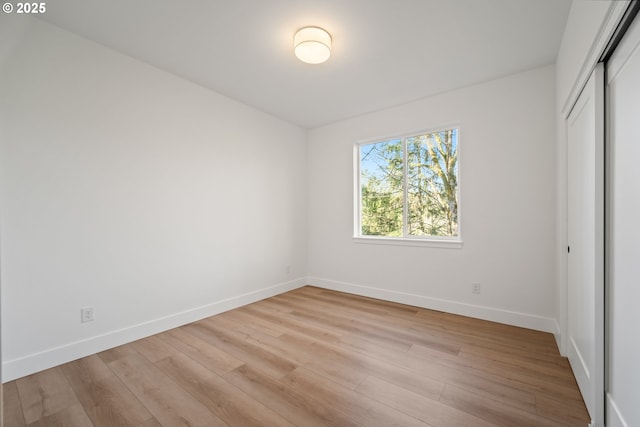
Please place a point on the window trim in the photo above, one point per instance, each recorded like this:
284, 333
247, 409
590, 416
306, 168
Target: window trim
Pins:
405, 240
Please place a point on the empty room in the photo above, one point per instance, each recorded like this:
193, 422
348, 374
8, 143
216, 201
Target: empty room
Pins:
319, 213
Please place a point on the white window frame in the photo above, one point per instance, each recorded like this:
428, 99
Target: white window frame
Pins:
448, 242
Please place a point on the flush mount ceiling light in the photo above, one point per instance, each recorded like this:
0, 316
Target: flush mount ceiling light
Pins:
312, 45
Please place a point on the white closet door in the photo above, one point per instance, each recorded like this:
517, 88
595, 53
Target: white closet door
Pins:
623, 236
585, 299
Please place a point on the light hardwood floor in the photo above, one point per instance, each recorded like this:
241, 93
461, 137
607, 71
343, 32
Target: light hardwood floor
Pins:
312, 357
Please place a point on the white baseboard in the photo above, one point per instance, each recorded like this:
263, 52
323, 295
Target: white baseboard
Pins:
525, 320
17, 368
557, 333
614, 417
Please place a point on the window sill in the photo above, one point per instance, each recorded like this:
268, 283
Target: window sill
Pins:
396, 241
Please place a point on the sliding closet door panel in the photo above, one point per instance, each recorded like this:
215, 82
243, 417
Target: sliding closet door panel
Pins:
585, 299
623, 213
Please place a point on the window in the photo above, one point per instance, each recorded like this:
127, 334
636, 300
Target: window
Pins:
407, 187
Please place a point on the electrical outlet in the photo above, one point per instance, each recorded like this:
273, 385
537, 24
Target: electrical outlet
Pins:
475, 288
86, 314
288, 269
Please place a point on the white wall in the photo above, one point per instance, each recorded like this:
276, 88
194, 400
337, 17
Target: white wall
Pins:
128, 189
507, 176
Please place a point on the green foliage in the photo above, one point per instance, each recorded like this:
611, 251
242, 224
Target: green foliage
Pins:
431, 187
382, 194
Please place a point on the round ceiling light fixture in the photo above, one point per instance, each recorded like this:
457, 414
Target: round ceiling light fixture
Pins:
312, 45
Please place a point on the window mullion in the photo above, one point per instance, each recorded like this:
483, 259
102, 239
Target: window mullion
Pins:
405, 190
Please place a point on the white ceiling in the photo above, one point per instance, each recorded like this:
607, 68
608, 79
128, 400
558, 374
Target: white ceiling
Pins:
385, 52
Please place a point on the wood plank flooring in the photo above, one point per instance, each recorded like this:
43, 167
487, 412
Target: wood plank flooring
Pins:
312, 357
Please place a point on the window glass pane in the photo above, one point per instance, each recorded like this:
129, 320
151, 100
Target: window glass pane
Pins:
381, 188
432, 184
